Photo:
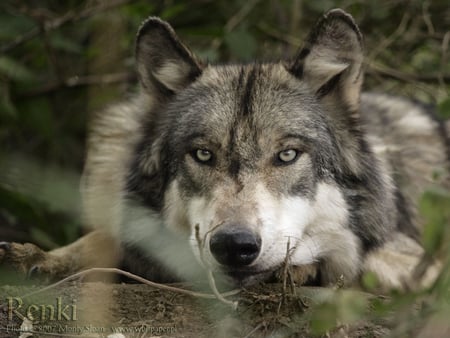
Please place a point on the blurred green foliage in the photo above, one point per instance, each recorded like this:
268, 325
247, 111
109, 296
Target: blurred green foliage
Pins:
60, 61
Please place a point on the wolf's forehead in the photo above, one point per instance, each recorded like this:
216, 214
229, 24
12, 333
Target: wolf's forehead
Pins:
254, 88
261, 96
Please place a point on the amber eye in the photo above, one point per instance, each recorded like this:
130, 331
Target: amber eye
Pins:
287, 156
203, 155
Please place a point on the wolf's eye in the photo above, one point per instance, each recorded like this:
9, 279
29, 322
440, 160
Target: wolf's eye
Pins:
287, 156
202, 155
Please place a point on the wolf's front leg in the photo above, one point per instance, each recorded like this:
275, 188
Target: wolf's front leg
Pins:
96, 249
395, 264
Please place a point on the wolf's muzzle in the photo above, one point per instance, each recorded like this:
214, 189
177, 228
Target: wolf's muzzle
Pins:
235, 246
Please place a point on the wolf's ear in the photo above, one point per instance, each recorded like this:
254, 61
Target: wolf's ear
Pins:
163, 62
331, 59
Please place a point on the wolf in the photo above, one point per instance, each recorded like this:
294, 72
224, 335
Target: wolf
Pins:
242, 169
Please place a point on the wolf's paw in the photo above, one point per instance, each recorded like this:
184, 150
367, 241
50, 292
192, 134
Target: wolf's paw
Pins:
30, 261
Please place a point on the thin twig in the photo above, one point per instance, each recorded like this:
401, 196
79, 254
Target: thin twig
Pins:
286, 274
211, 280
79, 81
287, 38
51, 56
375, 69
131, 276
286, 268
200, 242
427, 17
237, 18
385, 43
260, 325
234, 21
219, 296
444, 56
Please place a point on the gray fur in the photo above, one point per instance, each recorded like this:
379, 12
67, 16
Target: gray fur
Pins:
359, 146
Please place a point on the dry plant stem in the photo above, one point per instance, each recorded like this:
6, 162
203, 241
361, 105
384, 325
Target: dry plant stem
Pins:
286, 274
136, 278
260, 325
211, 280
287, 262
199, 242
212, 284
208, 232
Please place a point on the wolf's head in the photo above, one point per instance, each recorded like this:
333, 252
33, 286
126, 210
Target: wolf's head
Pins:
244, 159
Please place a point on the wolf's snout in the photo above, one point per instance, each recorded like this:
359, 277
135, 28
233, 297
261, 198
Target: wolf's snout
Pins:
235, 247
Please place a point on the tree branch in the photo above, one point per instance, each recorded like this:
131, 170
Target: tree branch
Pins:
374, 69
58, 22
79, 81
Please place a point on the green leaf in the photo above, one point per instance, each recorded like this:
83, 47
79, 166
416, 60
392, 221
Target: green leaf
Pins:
444, 109
210, 54
351, 306
323, 318
36, 116
14, 25
346, 307
15, 70
435, 208
7, 108
172, 11
60, 42
370, 281
241, 44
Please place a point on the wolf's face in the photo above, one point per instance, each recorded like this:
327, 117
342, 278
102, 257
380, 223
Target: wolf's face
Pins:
253, 156
245, 159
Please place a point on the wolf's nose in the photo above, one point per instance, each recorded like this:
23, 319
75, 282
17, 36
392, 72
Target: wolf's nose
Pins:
235, 246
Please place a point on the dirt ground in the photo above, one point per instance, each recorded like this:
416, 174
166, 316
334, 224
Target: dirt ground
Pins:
99, 309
